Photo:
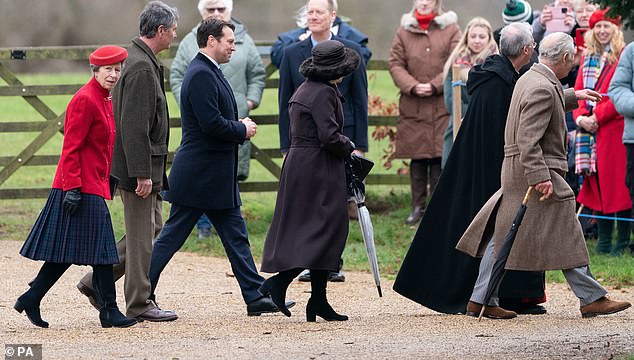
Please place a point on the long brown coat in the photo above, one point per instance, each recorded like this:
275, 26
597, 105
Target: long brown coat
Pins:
310, 222
418, 56
550, 237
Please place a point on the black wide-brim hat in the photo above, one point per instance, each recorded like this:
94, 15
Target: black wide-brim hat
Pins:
331, 60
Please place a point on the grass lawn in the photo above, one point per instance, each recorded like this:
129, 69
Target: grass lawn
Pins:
389, 205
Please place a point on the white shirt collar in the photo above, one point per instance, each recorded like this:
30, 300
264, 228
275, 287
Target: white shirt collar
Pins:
212, 60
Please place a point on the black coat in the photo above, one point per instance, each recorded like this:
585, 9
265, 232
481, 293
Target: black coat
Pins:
434, 273
354, 89
204, 172
310, 222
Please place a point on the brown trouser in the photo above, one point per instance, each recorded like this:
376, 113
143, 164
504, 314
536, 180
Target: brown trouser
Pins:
423, 172
143, 222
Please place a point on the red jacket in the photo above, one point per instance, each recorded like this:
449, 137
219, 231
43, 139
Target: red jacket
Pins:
606, 192
89, 133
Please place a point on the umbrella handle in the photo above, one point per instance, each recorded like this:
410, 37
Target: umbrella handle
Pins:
528, 194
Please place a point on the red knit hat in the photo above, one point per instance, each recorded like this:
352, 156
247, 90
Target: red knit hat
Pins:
108, 55
599, 15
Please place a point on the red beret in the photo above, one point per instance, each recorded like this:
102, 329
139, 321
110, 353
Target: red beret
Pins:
599, 15
108, 55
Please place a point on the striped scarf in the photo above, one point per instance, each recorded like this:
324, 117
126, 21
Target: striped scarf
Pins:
593, 64
585, 153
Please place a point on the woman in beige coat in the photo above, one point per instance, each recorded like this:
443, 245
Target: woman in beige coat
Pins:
422, 45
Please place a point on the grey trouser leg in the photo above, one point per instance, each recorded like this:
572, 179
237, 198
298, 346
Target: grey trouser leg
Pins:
583, 284
484, 276
143, 222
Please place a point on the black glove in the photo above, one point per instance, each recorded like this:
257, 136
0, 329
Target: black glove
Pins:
72, 200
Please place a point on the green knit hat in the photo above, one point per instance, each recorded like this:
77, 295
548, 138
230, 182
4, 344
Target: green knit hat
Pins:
517, 11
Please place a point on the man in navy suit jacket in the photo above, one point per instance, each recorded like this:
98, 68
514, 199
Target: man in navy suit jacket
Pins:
354, 88
211, 134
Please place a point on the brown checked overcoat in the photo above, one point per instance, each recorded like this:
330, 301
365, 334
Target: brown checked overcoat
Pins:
550, 237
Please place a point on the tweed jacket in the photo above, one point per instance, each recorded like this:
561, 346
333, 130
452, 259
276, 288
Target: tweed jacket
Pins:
550, 237
140, 112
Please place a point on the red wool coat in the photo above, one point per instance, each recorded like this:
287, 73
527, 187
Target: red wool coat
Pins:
606, 192
89, 133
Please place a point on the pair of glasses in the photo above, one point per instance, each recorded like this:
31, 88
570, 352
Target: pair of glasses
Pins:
212, 10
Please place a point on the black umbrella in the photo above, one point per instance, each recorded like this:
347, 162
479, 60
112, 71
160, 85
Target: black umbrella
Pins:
356, 170
500, 262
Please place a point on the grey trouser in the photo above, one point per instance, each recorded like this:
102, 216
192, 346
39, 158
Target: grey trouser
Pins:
580, 280
143, 222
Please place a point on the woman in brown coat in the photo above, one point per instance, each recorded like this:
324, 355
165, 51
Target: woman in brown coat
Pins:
310, 222
422, 45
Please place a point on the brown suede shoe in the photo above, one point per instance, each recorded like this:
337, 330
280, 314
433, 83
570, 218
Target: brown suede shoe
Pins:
491, 312
603, 306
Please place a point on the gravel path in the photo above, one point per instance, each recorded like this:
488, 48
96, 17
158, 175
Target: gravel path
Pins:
213, 322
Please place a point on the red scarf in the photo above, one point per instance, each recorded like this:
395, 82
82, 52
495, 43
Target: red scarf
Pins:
424, 20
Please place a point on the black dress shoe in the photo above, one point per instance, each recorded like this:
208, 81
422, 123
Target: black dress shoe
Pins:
527, 309
415, 216
336, 276
305, 276
265, 305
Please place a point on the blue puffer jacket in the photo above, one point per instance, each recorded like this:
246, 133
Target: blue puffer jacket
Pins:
622, 91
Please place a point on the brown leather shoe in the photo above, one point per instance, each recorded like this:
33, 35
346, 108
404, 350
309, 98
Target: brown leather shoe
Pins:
603, 306
156, 314
90, 294
491, 312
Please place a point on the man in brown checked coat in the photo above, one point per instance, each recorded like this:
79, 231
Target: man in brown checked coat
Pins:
550, 237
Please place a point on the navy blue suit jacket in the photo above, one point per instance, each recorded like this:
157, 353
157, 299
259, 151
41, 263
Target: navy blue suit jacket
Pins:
204, 172
354, 89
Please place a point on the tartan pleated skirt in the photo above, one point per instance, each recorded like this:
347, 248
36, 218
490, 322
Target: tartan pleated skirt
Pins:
84, 238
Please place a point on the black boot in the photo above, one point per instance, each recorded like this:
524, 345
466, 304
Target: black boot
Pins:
606, 229
623, 230
318, 304
277, 285
109, 314
43, 282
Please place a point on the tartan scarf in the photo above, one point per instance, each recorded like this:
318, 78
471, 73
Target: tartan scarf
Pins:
586, 153
592, 66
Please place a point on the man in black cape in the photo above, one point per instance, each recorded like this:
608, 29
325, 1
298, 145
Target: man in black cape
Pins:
435, 274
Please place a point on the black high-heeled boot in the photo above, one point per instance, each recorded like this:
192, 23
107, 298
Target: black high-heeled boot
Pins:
105, 292
318, 304
29, 302
277, 285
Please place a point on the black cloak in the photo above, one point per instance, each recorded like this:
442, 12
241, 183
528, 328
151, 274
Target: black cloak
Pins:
435, 274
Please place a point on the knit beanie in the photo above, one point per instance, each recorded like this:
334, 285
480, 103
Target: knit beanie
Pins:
517, 11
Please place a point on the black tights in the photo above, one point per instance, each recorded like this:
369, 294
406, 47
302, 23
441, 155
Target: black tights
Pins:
318, 280
49, 274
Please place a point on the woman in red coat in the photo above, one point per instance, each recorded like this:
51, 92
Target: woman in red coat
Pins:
75, 227
604, 190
